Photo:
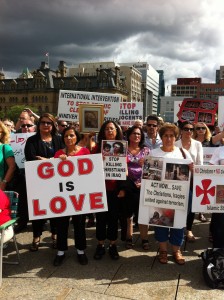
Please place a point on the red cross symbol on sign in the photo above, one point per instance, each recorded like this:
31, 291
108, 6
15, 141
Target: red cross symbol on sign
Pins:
205, 191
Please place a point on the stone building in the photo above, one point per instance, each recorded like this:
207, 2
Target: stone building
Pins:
40, 88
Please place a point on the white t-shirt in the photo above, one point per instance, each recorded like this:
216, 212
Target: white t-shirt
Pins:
176, 153
218, 156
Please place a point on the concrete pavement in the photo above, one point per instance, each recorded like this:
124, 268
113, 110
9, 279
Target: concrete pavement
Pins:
137, 275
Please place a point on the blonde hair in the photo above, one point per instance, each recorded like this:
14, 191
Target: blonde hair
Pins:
4, 137
208, 134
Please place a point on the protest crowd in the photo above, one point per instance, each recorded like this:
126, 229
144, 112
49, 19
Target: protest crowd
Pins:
50, 138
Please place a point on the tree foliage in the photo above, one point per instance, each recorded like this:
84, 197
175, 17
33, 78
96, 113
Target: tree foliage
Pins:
15, 111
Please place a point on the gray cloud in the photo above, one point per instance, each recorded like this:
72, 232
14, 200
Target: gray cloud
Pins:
172, 33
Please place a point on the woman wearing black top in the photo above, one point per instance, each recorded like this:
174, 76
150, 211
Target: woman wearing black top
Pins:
40, 146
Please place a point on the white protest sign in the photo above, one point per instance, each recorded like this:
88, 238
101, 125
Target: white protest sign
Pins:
129, 112
68, 104
18, 142
57, 188
207, 154
208, 189
114, 159
164, 192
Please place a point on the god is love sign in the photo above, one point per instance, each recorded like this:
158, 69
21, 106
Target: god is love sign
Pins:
57, 188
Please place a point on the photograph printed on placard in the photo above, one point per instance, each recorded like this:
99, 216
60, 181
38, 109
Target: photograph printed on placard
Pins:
177, 172
162, 217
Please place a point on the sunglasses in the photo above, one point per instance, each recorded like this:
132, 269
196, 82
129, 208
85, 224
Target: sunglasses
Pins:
46, 123
188, 129
200, 128
27, 125
63, 125
152, 125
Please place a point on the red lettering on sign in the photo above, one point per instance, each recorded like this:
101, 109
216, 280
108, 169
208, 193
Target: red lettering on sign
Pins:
45, 170
78, 204
36, 209
96, 200
62, 205
85, 166
63, 165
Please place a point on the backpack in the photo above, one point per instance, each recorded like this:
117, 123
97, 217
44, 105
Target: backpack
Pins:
213, 267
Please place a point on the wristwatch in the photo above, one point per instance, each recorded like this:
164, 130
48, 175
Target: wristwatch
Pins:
5, 181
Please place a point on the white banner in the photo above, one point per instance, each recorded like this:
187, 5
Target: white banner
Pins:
208, 190
164, 192
57, 188
18, 142
129, 112
68, 104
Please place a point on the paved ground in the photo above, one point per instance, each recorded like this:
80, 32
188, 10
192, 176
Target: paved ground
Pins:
136, 275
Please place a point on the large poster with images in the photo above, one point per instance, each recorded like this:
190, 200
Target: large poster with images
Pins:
197, 110
208, 189
164, 192
18, 142
130, 112
68, 104
57, 188
114, 159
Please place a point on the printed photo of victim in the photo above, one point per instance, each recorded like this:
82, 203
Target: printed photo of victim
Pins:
177, 172
161, 217
114, 148
152, 168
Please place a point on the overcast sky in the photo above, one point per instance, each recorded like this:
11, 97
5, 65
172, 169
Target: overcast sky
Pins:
184, 38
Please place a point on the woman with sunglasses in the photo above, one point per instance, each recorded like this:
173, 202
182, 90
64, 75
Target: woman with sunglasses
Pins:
195, 149
43, 145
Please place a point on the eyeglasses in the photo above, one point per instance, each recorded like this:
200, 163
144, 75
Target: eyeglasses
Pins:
46, 123
110, 129
152, 125
188, 129
136, 133
27, 125
200, 128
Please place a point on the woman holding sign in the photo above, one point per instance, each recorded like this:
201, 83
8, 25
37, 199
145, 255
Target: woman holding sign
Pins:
71, 138
107, 222
41, 146
168, 133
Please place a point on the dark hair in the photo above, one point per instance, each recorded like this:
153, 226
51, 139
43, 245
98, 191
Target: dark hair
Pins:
106, 145
153, 118
53, 120
129, 132
121, 146
71, 127
182, 124
168, 126
102, 136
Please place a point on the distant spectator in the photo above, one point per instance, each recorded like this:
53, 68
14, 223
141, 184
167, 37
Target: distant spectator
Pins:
61, 125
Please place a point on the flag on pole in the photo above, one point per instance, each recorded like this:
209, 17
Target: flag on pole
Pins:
47, 54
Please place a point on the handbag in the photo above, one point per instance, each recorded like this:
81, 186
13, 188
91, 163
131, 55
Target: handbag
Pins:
15, 181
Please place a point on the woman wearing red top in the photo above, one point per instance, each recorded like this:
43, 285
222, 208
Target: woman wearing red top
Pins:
5, 215
71, 138
107, 222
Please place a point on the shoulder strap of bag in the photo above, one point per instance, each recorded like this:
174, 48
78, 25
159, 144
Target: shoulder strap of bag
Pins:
183, 153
